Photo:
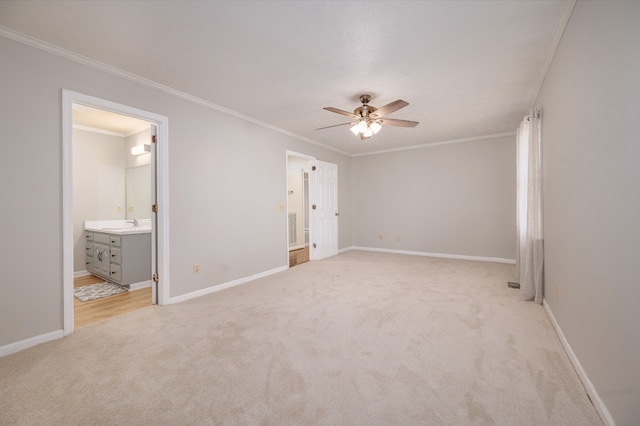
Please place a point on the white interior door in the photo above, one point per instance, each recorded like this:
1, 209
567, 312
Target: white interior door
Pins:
154, 213
324, 210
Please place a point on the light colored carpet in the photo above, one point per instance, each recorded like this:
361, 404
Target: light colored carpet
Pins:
89, 292
358, 339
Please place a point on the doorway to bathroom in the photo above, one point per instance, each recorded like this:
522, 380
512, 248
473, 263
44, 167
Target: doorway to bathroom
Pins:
111, 193
312, 208
114, 180
298, 206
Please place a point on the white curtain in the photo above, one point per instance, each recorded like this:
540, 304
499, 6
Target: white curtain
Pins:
529, 247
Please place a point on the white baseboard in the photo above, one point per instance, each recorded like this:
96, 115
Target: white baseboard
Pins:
226, 285
443, 255
12, 348
140, 285
602, 410
132, 287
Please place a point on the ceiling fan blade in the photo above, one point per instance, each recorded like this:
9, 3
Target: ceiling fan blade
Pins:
398, 123
389, 108
340, 111
335, 125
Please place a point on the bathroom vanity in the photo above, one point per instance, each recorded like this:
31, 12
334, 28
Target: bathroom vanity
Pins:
119, 255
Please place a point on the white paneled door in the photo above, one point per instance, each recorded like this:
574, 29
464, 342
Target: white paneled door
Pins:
324, 210
154, 214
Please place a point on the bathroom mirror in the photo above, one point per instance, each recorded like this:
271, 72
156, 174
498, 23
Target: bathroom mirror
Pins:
138, 192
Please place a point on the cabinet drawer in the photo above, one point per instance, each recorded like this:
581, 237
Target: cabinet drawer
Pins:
88, 236
89, 248
89, 264
116, 273
115, 255
115, 241
101, 238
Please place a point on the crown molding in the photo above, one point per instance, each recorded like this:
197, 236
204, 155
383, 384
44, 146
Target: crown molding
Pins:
100, 66
434, 144
97, 130
561, 25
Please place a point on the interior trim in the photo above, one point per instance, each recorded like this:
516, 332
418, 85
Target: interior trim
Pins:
561, 25
434, 144
70, 97
310, 159
229, 284
12, 348
442, 255
92, 63
96, 130
597, 402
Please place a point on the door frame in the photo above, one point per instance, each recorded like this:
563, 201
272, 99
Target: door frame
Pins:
160, 232
313, 252
310, 159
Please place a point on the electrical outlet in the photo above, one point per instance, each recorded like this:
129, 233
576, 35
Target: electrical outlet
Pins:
130, 209
397, 237
196, 268
119, 209
380, 236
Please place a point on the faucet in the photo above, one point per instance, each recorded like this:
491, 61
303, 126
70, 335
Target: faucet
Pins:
135, 222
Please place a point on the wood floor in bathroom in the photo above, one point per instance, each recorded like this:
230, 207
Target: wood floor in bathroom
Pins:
298, 256
107, 307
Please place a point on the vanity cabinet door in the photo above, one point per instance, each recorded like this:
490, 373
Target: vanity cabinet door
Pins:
88, 257
116, 273
116, 255
101, 259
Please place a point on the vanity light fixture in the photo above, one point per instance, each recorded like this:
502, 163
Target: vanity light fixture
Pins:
140, 149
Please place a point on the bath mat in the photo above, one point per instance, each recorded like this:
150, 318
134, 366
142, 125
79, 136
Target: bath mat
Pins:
97, 291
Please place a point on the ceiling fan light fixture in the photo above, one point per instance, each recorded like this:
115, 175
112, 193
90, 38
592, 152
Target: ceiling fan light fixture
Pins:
369, 119
366, 128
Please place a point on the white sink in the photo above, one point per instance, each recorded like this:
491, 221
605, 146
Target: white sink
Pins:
118, 226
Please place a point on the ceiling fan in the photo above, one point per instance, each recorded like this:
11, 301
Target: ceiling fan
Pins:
368, 120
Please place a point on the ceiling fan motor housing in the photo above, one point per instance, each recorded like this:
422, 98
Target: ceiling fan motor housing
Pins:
364, 111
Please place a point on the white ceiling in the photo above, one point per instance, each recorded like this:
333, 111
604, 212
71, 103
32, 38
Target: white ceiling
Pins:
467, 68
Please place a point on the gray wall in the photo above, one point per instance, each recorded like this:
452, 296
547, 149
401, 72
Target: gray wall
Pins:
98, 184
455, 199
591, 155
227, 183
